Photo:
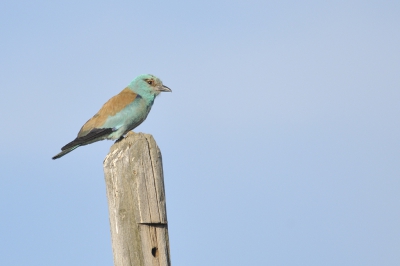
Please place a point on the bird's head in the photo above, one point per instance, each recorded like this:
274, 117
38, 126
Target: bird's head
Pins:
148, 84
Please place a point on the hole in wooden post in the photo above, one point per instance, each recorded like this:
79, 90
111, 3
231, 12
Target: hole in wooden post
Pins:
154, 252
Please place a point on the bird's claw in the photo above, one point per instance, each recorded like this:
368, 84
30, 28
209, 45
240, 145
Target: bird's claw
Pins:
120, 138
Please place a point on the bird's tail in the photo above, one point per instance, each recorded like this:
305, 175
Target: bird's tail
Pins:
63, 152
94, 135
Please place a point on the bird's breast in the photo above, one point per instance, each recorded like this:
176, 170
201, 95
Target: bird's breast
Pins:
131, 116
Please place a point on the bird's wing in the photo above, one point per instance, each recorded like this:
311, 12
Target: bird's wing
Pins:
110, 108
92, 136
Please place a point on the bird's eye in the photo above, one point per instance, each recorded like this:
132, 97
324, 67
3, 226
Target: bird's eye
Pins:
150, 82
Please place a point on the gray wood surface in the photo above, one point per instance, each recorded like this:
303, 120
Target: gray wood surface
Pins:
136, 202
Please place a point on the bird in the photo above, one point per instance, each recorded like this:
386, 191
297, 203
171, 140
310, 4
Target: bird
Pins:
120, 114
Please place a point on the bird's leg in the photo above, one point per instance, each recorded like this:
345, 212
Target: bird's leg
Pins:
120, 138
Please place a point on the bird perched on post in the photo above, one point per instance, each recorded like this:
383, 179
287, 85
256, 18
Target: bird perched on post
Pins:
120, 114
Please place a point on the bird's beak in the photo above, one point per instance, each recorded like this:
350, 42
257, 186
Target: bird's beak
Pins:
164, 88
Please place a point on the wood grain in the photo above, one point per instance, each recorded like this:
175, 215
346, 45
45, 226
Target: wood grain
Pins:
136, 202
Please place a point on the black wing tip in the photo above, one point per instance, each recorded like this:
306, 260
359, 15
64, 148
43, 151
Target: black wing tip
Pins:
63, 152
89, 138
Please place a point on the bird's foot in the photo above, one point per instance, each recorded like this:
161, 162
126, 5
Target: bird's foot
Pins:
120, 138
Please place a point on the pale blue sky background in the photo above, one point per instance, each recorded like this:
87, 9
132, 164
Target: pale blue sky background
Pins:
280, 140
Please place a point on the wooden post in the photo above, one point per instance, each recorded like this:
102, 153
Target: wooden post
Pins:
136, 202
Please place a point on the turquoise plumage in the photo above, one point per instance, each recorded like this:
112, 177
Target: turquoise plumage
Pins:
120, 114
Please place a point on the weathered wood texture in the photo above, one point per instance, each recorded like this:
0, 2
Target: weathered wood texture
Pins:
136, 202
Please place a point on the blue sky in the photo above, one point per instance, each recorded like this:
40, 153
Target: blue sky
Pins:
280, 140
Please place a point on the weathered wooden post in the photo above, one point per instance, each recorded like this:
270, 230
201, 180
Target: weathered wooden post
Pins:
136, 202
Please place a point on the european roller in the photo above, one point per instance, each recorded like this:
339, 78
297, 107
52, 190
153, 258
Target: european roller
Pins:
120, 114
